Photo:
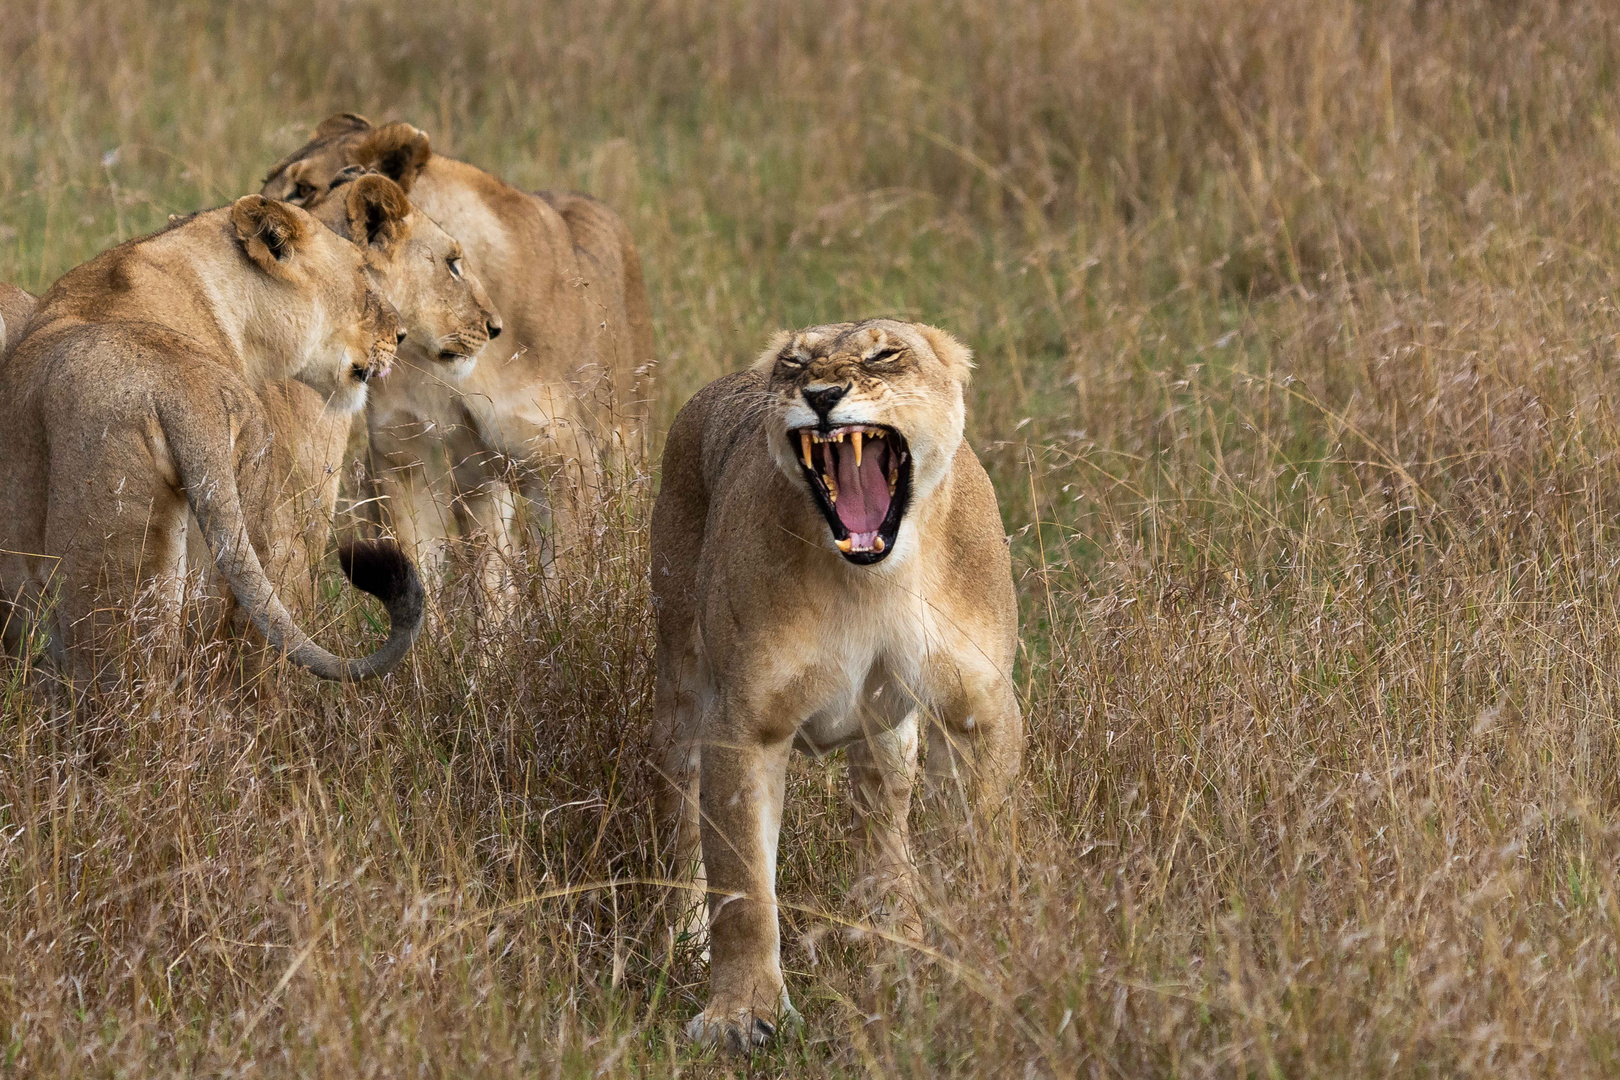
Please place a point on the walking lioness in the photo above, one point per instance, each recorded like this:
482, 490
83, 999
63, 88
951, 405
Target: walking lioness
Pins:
830, 570
133, 396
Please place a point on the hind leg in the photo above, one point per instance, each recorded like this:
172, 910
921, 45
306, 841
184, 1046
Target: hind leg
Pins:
120, 577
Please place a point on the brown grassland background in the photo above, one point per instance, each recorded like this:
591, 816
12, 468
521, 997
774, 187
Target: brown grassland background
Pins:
1297, 357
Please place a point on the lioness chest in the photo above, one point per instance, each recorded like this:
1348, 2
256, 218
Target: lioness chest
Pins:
836, 662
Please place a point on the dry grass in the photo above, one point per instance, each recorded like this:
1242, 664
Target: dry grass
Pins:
1297, 350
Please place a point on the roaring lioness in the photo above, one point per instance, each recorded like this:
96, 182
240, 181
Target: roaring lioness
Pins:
547, 401
829, 570
447, 319
133, 396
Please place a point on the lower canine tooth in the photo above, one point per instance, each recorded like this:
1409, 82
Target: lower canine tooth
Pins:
877, 544
844, 544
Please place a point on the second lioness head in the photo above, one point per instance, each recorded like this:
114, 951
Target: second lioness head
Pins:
866, 418
447, 315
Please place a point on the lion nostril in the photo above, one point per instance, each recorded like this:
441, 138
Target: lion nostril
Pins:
494, 329
824, 399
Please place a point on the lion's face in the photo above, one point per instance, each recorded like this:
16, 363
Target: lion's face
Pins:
420, 268
356, 329
866, 419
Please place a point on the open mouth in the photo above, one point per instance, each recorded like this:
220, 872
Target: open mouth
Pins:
375, 368
861, 475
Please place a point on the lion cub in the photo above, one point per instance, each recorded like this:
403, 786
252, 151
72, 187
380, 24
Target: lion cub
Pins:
829, 570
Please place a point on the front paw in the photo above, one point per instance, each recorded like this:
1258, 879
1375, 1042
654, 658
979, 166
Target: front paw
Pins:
739, 1030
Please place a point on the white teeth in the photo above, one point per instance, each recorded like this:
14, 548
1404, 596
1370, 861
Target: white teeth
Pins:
862, 541
855, 443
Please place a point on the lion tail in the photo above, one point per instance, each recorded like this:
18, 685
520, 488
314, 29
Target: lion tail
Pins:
208, 473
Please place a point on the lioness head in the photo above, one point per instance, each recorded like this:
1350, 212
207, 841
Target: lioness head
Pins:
866, 418
313, 271
398, 151
418, 266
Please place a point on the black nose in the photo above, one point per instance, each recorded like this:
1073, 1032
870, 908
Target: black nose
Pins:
494, 329
823, 400
399, 337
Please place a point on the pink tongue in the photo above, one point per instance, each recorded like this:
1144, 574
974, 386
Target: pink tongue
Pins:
863, 493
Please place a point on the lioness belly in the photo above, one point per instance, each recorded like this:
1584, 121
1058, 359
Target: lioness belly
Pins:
878, 702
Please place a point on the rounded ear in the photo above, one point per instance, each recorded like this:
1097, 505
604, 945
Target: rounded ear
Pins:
780, 341
955, 355
398, 151
377, 211
271, 232
341, 124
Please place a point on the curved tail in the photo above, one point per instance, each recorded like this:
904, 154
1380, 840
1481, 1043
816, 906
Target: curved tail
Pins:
207, 471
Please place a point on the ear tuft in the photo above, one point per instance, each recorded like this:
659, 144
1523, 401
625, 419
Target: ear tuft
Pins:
955, 355
270, 232
398, 151
341, 124
767, 359
377, 211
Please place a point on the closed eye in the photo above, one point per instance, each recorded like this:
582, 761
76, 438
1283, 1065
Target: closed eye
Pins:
888, 352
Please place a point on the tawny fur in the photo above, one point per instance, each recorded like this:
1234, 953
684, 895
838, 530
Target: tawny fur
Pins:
16, 305
553, 400
134, 398
769, 638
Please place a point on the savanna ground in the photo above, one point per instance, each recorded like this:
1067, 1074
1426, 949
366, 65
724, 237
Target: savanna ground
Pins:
1297, 359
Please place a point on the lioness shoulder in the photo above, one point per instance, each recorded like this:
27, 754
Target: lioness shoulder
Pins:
830, 571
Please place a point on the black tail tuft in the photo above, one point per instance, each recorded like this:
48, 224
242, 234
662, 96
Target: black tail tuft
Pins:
380, 568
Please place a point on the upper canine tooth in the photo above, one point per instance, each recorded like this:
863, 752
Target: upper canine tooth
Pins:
804, 444
855, 444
